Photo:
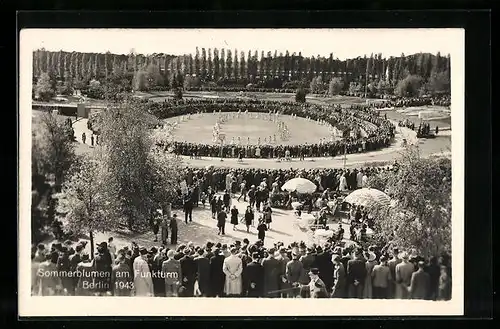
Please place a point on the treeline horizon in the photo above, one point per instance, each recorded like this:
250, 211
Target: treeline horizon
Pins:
236, 69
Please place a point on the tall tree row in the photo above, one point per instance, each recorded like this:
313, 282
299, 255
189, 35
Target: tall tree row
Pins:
258, 67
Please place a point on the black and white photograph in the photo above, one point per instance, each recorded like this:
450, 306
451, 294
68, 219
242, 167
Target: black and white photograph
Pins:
240, 171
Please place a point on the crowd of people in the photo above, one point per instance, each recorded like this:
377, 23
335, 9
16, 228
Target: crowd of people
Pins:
398, 102
241, 180
240, 269
423, 129
378, 131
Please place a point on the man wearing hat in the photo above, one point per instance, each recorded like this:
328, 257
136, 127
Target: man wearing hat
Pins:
253, 284
294, 273
121, 281
74, 260
323, 262
339, 277
356, 275
188, 269
173, 229
317, 288
143, 283
404, 271
172, 273
203, 271
395, 260
283, 260
419, 284
381, 275
251, 196
272, 274
102, 264
217, 276
85, 268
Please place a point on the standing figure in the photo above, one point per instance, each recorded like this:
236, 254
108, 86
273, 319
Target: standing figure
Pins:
249, 217
143, 282
173, 229
233, 268
221, 222
234, 217
261, 228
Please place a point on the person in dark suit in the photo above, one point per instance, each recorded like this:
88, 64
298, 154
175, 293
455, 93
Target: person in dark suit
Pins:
173, 229
433, 270
188, 269
217, 276
213, 205
272, 274
253, 284
188, 207
203, 272
356, 275
74, 260
419, 286
261, 228
339, 277
249, 217
323, 262
221, 222
157, 261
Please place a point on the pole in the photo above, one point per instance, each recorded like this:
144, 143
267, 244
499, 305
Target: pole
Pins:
221, 142
345, 155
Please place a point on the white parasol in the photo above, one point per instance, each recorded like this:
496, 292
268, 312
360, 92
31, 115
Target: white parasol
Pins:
301, 185
368, 197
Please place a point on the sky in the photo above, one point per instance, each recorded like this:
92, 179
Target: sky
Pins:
343, 43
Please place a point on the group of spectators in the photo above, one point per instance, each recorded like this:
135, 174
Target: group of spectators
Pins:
378, 131
241, 269
444, 100
242, 179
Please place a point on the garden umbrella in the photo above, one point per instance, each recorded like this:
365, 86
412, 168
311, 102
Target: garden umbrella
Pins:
301, 185
368, 197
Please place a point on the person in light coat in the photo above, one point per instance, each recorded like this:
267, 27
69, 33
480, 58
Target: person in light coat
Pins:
343, 183
404, 271
233, 268
143, 282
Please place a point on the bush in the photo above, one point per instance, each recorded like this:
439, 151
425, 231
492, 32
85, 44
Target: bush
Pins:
409, 86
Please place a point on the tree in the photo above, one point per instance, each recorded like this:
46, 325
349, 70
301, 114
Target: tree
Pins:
409, 86
87, 200
55, 146
335, 86
300, 95
421, 217
191, 81
43, 88
95, 90
439, 83
164, 176
126, 143
178, 93
316, 85
140, 81
154, 77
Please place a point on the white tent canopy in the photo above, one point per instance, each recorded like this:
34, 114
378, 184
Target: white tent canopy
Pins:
299, 184
368, 197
